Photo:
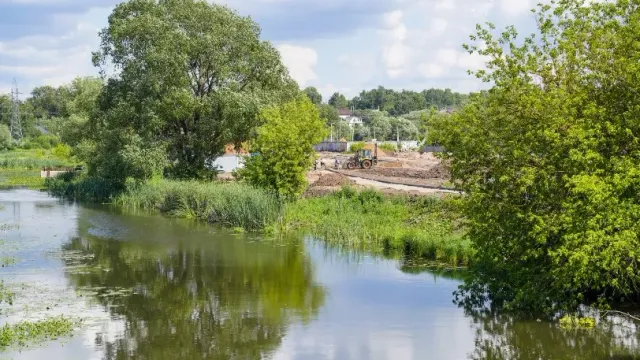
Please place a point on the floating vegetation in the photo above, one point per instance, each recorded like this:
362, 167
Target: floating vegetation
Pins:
6, 295
7, 261
26, 333
568, 322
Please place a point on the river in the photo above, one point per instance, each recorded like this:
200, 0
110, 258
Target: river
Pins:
149, 287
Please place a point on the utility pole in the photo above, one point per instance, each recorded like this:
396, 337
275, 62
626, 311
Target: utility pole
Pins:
16, 124
331, 132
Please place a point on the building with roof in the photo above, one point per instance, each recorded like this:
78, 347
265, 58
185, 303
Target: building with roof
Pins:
348, 116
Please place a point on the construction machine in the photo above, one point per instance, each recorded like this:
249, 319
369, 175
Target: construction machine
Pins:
363, 158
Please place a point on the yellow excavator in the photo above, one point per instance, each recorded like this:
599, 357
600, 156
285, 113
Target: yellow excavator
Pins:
364, 158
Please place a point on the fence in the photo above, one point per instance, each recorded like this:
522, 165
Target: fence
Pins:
332, 146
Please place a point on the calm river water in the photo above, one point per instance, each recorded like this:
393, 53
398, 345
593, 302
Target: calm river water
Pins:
149, 287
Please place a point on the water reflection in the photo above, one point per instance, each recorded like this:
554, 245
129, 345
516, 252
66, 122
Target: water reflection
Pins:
203, 295
500, 337
159, 288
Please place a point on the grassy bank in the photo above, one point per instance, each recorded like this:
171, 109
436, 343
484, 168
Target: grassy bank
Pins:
227, 204
21, 168
413, 227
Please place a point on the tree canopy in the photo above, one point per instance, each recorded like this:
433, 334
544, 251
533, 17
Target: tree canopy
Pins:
314, 95
338, 101
548, 159
405, 101
192, 77
284, 147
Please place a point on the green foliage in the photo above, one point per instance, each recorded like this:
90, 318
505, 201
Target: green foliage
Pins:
30, 332
357, 146
45, 142
82, 187
405, 101
338, 101
313, 94
424, 228
284, 147
571, 322
548, 159
31, 160
6, 141
387, 147
230, 205
180, 106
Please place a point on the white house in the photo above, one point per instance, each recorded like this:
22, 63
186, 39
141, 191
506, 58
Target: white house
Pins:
348, 116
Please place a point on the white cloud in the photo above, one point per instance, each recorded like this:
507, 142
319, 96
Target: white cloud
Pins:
54, 59
362, 67
515, 7
301, 62
329, 89
431, 70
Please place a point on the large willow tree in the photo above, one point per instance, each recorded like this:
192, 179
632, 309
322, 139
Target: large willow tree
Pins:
186, 77
549, 159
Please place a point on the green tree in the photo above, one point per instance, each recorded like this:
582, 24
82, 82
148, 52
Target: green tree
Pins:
192, 78
5, 137
313, 95
284, 147
338, 101
329, 114
548, 159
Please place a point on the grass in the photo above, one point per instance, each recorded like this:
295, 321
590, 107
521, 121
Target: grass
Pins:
29, 332
21, 168
413, 227
227, 204
31, 159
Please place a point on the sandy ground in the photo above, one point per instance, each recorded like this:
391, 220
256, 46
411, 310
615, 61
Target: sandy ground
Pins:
402, 168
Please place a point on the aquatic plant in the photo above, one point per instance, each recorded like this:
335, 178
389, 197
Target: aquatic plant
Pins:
232, 205
394, 225
30, 332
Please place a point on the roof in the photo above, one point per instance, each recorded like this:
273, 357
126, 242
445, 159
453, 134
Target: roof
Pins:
229, 149
345, 112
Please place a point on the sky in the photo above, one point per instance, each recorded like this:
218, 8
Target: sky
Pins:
334, 45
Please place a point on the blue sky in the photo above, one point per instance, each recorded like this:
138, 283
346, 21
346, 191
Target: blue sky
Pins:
335, 45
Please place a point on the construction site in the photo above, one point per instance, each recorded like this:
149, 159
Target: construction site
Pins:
394, 172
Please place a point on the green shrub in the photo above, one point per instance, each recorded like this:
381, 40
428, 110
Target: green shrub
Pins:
357, 146
387, 147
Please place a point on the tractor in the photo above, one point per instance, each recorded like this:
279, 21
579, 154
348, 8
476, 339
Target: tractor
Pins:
364, 159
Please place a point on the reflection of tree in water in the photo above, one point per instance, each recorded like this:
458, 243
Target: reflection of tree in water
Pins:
501, 337
223, 299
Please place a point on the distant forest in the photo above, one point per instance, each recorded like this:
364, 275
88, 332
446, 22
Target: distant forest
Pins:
392, 101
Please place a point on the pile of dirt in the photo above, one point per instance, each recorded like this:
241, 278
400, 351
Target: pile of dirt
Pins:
333, 180
439, 171
370, 146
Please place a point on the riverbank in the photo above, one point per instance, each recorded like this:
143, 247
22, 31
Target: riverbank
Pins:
21, 168
427, 228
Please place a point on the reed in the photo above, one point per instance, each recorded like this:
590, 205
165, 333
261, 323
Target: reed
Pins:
426, 228
226, 204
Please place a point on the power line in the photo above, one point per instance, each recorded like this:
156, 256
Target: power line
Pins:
16, 123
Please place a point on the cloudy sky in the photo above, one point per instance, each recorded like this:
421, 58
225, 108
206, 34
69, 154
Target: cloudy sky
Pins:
335, 45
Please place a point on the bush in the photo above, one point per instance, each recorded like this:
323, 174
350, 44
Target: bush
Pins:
357, 146
387, 147
284, 147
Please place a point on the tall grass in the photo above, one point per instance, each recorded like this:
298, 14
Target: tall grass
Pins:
417, 227
227, 204
82, 188
30, 159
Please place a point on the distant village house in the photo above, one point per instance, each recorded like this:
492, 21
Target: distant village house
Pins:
348, 116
